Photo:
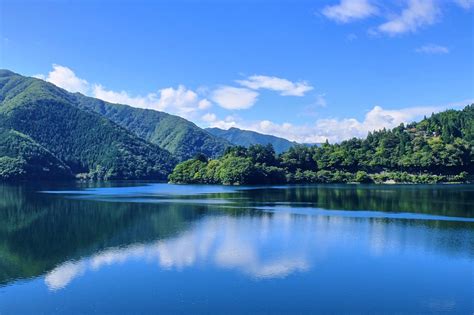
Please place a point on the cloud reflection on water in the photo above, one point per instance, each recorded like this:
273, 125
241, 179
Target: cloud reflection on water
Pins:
253, 246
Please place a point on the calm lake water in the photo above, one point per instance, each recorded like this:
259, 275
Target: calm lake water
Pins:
158, 248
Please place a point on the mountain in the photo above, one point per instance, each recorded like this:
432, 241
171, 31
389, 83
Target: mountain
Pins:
51, 124
247, 138
177, 135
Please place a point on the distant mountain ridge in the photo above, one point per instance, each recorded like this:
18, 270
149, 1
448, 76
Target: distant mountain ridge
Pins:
247, 138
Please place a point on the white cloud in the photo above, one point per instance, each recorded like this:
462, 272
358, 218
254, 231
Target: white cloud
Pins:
122, 97
66, 79
209, 117
336, 129
417, 14
230, 97
432, 49
350, 10
377, 118
284, 86
226, 123
204, 104
180, 101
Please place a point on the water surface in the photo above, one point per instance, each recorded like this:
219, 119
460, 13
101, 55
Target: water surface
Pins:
149, 248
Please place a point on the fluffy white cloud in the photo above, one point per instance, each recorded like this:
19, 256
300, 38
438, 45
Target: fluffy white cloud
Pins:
432, 49
417, 14
335, 129
123, 97
209, 117
284, 86
230, 97
204, 104
226, 123
180, 101
66, 79
350, 10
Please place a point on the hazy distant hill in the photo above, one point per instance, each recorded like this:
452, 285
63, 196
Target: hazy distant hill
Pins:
247, 138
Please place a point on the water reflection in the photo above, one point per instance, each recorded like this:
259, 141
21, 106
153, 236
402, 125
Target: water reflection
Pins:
441, 200
262, 234
269, 246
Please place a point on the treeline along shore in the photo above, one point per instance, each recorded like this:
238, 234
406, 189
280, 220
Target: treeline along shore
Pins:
437, 149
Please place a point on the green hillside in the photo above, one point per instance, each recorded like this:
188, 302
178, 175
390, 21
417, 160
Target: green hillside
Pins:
177, 135
437, 149
86, 142
21, 158
247, 138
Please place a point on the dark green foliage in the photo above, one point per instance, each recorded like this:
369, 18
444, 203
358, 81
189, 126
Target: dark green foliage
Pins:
437, 149
21, 158
247, 138
89, 144
177, 135
238, 166
190, 171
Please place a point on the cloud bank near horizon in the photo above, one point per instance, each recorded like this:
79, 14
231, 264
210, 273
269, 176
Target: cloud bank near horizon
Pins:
192, 105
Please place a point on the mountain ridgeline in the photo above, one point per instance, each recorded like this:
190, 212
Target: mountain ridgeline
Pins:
247, 138
437, 149
48, 132
177, 135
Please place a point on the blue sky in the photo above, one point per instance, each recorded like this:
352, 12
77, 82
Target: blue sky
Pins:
305, 70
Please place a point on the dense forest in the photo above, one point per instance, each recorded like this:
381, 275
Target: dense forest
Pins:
437, 149
247, 138
21, 158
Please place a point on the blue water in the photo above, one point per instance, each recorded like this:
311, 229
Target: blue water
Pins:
158, 248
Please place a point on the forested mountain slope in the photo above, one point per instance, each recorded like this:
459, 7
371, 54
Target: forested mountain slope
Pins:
86, 142
247, 138
177, 135
22, 158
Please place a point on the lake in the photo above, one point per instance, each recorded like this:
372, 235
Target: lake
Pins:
137, 247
